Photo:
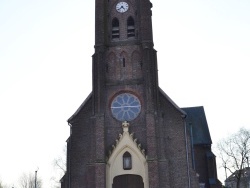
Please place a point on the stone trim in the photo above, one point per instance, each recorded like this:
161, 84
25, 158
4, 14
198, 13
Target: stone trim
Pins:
126, 143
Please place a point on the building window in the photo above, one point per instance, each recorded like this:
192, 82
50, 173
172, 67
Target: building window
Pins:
127, 161
123, 62
131, 27
115, 29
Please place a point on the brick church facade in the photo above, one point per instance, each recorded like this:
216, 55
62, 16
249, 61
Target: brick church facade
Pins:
128, 133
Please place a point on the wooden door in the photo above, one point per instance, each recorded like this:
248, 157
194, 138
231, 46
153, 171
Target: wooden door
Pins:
128, 181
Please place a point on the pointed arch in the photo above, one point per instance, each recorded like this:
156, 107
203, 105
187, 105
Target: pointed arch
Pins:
115, 29
124, 58
125, 66
111, 66
137, 64
127, 144
130, 27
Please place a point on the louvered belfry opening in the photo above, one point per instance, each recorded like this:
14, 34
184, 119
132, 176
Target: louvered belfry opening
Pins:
115, 29
131, 27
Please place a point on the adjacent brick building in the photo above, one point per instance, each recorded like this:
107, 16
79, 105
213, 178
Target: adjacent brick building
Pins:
128, 132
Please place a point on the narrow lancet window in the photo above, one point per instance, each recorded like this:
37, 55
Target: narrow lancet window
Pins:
127, 161
131, 27
115, 29
123, 62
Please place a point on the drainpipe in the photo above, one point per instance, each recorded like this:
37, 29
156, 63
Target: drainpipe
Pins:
192, 146
187, 157
69, 160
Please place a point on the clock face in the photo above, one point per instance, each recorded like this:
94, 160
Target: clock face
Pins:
122, 7
125, 107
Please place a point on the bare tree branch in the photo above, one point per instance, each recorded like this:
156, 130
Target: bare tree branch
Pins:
234, 152
28, 181
59, 164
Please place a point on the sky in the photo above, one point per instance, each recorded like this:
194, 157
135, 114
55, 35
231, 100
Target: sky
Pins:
45, 71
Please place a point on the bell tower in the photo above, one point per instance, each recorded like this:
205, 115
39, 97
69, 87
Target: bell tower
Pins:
124, 53
126, 132
125, 80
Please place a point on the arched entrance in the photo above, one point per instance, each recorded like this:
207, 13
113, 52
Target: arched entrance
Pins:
128, 181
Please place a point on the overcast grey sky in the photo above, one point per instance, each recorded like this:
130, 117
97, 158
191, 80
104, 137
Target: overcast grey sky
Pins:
45, 71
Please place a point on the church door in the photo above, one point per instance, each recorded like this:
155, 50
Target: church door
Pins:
128, 181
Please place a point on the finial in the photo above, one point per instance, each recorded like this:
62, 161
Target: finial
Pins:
125, 126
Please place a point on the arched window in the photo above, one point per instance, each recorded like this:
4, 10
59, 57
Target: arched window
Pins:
115, 29
130, 27
123, 62
127, 161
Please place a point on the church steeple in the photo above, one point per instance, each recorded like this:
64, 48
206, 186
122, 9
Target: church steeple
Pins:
124, 51
125, 89
125, 75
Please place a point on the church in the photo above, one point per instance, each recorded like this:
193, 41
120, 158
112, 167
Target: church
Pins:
128, 133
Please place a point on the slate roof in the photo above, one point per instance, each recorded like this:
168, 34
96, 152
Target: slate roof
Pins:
80, 108
197, 122
172, 102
